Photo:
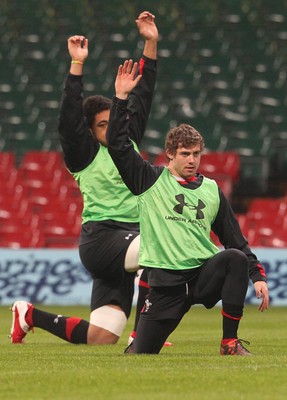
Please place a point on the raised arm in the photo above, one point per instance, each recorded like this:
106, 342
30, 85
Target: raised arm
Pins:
76, 140
78, 50
140, 98
149, 32
137, 174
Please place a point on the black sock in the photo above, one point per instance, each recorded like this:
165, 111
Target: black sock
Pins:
71, 329
231, 318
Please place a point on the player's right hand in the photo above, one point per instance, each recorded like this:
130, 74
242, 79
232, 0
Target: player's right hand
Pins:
78, 47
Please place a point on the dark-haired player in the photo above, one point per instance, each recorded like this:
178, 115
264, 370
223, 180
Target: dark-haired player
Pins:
109, 241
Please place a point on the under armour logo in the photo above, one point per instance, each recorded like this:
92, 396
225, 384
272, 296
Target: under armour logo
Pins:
181, 204
56, 320
129, 236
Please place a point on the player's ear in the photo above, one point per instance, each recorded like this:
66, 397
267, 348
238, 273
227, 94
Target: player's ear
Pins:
169, 155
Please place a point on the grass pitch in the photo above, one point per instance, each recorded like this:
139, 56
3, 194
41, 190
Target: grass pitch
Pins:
48, 368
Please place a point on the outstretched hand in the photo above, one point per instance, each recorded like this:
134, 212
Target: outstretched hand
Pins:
78, 47
126, 80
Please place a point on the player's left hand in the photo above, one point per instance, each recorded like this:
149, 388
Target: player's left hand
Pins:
261, 291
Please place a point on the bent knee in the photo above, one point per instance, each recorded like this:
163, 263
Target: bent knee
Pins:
237, 256
238, 263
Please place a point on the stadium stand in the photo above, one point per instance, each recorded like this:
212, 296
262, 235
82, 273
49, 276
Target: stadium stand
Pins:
222, 68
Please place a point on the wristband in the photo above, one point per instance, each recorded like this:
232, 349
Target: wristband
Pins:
77, 62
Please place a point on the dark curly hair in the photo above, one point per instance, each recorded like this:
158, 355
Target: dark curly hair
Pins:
183, 135
94, 105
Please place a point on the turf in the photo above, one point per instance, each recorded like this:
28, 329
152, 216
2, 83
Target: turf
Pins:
49, 368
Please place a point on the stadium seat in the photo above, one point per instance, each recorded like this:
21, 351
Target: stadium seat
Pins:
7, 161
62, 233
276, 241
259, 235
254, 174
24, 238
39, 197
225, 183
267, 207
12, 194
278, 155
160, 159
265, 219
43, 182
41, 160
61, 210
9, 179
23, 144
264, 222
220, 163
11, 209
16, 224
248, 143
70, 191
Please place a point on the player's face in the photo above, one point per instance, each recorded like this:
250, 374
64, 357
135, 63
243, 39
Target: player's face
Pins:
100, 125
185, 162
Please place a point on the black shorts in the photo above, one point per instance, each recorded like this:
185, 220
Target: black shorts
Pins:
223, 277
103, 254
103, 247
167, 303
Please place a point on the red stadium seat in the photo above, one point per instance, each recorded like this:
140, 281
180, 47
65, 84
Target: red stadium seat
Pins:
71, 192
7, 161
12, 197
41, 160
261, 207
62, 232
58, 210
160, 159
241, 218
24, 238
225, 184
16, 224
278, 240
51, 179
9, 179
268, 238
263, 221
12, 209
220, 163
